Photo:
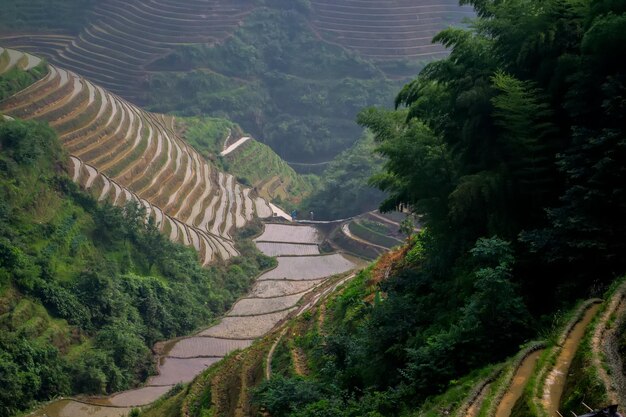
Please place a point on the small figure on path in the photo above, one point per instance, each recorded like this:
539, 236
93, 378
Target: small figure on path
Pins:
311, 214
294, 215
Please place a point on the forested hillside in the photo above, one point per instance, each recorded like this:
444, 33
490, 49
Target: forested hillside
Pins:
275, 78
59, 15
87, 289
512, 151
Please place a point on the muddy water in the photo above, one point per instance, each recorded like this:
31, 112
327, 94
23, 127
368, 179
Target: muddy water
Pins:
517, 384
553, 388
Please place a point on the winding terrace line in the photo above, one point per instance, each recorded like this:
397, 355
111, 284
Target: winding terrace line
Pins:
555, 381
235, 145
144, 156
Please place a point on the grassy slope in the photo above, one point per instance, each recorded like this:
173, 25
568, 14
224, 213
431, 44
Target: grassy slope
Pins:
257, 165
207, 134
80, 288
253, 163
221, 386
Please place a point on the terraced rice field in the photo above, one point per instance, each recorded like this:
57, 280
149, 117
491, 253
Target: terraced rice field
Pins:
195, 347
256, 306
281, 288
290, 234
308, 267
135, 397
71, 408
386, 29
282, 249
46, 45
246, 327
122, 153
175, 370
125, 36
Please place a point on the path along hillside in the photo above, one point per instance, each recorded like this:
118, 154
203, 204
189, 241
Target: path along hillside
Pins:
122, 153
533, 383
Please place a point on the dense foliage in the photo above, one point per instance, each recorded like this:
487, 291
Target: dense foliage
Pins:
278, 80
344, 189
45, 14
520, 134
86, 289
513, 152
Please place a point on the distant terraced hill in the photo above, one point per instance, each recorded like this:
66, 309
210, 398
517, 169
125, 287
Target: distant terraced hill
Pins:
387, 29
123, 37
123, 153
294, 74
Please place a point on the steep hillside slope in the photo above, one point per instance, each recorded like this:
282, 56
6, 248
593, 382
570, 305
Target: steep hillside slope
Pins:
123, 153
304, 369
302, 271
86, 289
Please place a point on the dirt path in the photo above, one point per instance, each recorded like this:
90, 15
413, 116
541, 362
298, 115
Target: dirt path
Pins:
235, 145
270, 354
299, 361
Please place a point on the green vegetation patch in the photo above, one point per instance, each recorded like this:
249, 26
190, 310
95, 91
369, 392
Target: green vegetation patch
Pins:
208, 134
258, 166
344, 190
254, 164
16, 79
